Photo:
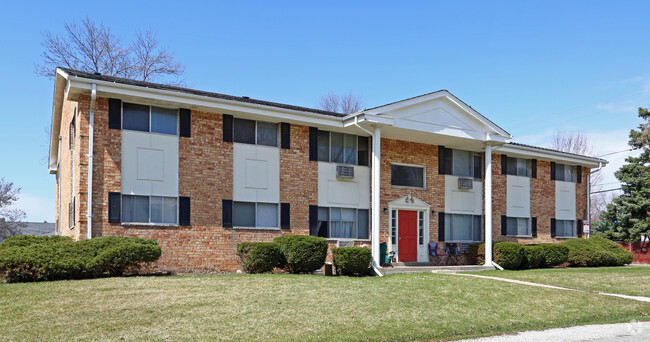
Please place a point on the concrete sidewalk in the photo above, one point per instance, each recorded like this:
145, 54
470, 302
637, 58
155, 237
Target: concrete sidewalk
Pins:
619, 332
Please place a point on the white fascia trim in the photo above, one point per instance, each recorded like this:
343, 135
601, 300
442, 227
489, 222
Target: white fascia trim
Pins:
227, 106
551, 155
382, 120
60, 86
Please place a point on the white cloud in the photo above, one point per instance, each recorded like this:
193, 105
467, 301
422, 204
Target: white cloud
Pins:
37, 208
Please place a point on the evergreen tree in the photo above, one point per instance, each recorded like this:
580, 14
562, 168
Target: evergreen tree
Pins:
628, 216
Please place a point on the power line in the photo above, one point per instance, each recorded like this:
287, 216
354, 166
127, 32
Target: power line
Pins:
607, 154
597, 192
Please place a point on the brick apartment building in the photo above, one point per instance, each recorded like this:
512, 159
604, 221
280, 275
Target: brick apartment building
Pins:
201, 172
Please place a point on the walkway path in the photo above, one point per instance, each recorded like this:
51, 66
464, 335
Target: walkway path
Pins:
639, 298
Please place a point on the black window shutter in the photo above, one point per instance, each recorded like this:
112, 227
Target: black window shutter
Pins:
285, 135
285, 215
478, 167
185, 122
441, 226
552, 170
227, 128
441, 160
115, 113
114, 207
226, 213
579, 229
504, 225
313, 220
579, 174
504, 164
184, 211
533, 226
552, 227
313, 143
533, 168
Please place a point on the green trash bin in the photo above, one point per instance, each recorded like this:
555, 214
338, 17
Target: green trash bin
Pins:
383, 247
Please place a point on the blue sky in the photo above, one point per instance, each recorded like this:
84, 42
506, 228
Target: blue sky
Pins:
532, 67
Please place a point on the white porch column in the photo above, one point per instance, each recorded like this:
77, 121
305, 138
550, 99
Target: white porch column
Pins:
488, 205
376, 186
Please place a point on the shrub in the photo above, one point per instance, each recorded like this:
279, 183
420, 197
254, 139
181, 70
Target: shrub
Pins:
258, 257
56, 258
351, 260
476, 254
508, 255
302, 253
553, 254
533, 256
616, 255
596, 251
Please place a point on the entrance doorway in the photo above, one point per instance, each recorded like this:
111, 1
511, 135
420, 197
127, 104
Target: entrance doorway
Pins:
408, 236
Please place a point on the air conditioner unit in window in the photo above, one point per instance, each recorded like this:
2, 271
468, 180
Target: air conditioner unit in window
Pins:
344, 171
465, 183
345, 243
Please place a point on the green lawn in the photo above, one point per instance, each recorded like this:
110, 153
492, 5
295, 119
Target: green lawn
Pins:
629, 280
294, 307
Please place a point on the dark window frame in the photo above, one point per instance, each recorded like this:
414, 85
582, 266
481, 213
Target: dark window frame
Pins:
475, 218
256, 132
150, 116
362, 157
149, 222
516, 228
256, 226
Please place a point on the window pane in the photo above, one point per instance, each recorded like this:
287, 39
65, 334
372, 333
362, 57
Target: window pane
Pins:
170, 210
522, 167
393, 226
448, 218
267, 133
335, 222
348, 223
407, 176
323, 146
559, 172
164, 120
127, 208
512, 166
363, 226
337, 147
141, 211
362, 149
461, 227
420, 227
267, 215
463, 163
511, 227
156, 209
323, 222
350, 149
243, 214
522, 226
244, 131
135, 117
569, 173
477, 228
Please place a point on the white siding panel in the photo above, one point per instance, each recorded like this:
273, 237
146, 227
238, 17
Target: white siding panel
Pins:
149, 164
256, 173
463, 201
518, 196
352, 193
565, 200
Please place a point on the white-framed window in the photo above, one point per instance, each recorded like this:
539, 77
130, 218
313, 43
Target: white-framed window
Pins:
149, 209
518, 226
143, 118
393, 227
344, 223
565, 228
518, 166
255, 132
407, 176
463, 228
421, 228
255, 215
565, 173
342, 148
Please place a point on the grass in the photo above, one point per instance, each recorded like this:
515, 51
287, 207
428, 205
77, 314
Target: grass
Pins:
294, 307
628, 280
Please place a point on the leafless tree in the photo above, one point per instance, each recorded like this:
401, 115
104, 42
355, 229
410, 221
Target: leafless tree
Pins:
10, 218
578, 143
92, 47
344, 103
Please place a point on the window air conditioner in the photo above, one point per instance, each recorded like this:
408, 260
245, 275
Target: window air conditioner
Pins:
465, 183
345, 243
344, 171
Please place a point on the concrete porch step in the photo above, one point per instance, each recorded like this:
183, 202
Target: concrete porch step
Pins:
426, 268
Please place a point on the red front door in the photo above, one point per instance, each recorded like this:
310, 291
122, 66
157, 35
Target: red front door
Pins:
407, 248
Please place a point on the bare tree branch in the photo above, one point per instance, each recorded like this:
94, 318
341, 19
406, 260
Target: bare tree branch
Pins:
10, 218
345, 103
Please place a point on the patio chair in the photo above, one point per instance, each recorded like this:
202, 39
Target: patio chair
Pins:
453, 253
435, 257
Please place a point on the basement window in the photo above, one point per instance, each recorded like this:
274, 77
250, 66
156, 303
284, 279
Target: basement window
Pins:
518, 226
149, 209
255, 215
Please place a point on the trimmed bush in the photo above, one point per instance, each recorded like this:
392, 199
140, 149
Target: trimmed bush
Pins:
553, 254
258, 257
302, 253
476, 254
25, 259
508, 255
533, 256
351, 260
596, 251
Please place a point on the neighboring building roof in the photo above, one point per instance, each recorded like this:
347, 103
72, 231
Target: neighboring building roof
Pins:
151, 85
38, 228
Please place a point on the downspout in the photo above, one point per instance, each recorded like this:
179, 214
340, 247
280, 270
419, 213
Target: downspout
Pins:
488, 203
91, 128
58, 185
375, 188
600, 166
